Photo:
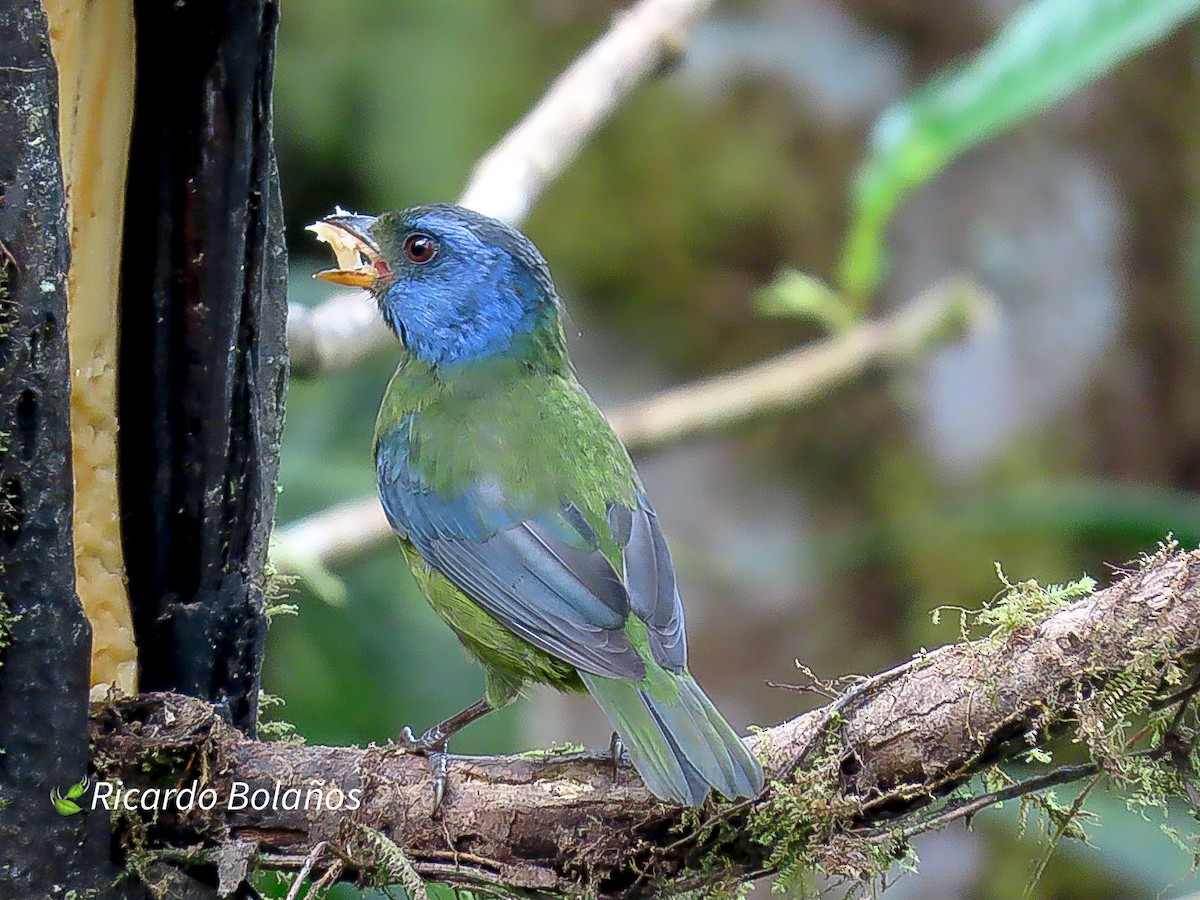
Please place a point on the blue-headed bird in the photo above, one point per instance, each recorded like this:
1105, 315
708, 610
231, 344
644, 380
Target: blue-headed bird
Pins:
517, 507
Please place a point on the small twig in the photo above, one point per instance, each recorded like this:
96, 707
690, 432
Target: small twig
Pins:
967, 808
812, 687
7, 255
468, 876
804, 374
306, 869
697, 880
1048, 854
829, 714
190, 855
829, 688
834, 711
1181, 697
331, 877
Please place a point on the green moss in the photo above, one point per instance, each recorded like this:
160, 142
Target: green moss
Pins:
801, 827
375, 854
7, 619
552, 751
8, 310
1018, 608
277, 587
275, 729
163, 765
7, 314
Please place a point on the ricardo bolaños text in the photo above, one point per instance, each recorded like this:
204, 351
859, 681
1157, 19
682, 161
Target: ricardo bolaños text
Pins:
111, 795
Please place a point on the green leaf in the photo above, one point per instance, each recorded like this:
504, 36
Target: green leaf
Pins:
62, 805
77, 789
1045, 52
795, 294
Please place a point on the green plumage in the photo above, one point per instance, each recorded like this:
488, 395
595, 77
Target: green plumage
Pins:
541, 436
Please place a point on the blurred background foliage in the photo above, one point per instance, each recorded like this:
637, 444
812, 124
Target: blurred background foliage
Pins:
1062, 439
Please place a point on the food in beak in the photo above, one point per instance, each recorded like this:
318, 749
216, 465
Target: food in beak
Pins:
359, 263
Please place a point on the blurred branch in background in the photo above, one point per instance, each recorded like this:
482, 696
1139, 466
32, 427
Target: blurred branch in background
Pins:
1047, 51
309, 547
798, 376
510, 178
336, 334
848, 784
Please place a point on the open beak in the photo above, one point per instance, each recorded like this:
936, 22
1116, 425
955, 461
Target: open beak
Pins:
359, 262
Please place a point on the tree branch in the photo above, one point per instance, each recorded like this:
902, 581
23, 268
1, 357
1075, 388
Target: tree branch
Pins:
510, 177
860, 767
805, 373
308, 547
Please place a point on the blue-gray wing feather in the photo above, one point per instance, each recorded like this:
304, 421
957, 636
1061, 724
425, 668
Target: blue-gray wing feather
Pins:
650, 580
543, 577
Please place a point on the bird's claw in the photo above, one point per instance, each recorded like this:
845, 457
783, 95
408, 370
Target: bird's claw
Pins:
439, 764
616, 748
432, 745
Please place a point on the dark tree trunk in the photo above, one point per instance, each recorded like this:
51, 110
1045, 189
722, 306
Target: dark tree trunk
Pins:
45, 640
203, 360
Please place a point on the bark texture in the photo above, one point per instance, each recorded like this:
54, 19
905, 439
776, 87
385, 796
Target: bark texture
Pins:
45, 639
203, 358
891, 745
202, 369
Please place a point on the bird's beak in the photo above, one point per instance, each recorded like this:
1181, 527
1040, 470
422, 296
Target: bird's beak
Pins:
359, 262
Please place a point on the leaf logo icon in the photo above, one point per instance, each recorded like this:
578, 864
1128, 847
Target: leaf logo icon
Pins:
65, 805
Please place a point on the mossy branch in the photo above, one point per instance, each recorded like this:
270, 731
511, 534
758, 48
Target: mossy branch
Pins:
848, 783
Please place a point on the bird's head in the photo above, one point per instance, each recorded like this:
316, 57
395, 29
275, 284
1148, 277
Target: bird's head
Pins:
455, 286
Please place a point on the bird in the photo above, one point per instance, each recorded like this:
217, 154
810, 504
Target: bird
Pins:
517, 507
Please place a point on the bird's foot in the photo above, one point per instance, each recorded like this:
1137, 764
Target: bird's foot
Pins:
616, 749
432, 741
432, 744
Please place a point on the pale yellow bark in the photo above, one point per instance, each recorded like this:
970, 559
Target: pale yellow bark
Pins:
93, 45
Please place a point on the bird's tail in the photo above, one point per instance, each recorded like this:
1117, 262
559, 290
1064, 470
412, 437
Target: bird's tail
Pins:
678, 742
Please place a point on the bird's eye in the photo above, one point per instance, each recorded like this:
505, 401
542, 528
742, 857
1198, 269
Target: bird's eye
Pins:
420, 248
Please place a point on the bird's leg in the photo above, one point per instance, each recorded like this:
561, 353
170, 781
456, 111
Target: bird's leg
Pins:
433, 743
435, 738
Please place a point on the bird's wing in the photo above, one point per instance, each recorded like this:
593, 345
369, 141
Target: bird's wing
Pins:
543, 576
650, 580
